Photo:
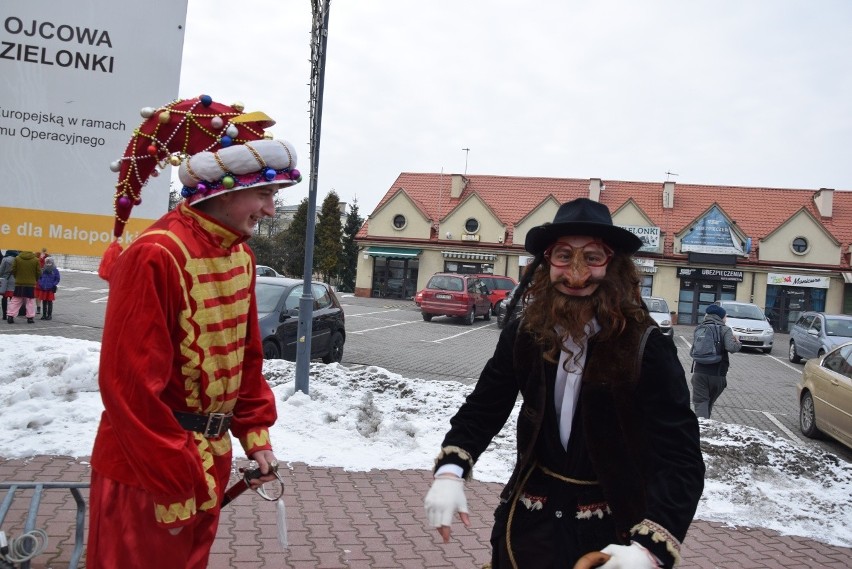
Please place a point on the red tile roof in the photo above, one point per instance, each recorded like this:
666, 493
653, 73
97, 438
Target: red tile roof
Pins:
757, 211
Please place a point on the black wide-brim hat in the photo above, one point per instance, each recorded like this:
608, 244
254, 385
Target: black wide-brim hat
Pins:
582, 217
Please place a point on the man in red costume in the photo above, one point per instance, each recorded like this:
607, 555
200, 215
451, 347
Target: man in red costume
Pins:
181, 361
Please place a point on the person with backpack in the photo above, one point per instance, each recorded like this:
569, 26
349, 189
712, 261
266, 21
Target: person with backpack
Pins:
609, 455
711, 342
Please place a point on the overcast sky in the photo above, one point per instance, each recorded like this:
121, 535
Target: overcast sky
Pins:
755, 93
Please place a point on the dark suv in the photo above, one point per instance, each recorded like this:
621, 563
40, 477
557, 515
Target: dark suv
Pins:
452, 294
816, 333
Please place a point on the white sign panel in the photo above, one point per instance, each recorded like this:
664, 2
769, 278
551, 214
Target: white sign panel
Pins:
806, 281
650, 236
73, 77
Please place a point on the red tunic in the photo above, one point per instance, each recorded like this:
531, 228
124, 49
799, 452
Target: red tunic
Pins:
181, 334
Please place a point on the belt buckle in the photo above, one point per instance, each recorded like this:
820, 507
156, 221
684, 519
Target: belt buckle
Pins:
215, 423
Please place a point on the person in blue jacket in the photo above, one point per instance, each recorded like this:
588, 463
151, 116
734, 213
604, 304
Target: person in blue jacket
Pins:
46, 289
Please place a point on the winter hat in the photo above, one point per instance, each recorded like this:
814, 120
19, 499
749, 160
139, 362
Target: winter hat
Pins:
717, 310
49, 265
219, 149
582, 217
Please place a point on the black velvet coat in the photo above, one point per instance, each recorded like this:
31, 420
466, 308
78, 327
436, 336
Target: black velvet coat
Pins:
641, 435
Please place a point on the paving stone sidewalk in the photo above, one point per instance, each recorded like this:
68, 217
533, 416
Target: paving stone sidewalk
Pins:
339, 519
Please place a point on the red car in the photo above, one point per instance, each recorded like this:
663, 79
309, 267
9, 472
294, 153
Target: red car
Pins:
499, 288
452, 294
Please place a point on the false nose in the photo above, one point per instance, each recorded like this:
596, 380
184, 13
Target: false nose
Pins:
577, 274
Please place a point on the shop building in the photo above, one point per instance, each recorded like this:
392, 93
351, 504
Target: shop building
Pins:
786, 250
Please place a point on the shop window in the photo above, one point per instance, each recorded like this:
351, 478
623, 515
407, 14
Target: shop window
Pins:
399, 221
471, 225
800, 246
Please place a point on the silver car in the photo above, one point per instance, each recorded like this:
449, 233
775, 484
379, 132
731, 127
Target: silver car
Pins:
659, 310
750, 325
816, 333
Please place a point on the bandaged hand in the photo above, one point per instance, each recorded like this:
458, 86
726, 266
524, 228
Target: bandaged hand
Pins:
444, 499
632, 556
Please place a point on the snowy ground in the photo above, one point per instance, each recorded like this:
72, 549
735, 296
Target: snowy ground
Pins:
372, 418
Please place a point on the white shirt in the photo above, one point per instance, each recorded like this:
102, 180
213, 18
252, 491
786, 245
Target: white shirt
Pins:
566, 391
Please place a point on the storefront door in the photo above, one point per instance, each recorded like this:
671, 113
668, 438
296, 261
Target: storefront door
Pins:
395, 278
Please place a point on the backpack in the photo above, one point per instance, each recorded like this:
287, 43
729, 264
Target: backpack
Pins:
707, 344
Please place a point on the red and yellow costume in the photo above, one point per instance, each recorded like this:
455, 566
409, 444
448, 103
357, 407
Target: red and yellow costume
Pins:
181, 334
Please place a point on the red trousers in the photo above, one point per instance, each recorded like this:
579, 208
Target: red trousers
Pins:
123, 532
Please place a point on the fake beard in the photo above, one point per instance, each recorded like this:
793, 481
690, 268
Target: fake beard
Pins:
570, 313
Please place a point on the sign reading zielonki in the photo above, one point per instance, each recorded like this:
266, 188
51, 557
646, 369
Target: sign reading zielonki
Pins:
73, 77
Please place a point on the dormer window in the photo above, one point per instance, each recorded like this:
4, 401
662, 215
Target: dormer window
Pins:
471, 225
399, 221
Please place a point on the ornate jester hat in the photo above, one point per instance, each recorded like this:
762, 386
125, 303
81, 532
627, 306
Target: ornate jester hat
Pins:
218, 148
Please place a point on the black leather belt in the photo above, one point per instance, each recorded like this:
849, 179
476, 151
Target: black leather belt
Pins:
211, 426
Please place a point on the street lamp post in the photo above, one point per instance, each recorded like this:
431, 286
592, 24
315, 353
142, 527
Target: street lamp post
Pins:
319, 40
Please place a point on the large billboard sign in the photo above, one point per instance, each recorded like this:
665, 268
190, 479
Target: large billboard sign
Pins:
73, 78
712, 234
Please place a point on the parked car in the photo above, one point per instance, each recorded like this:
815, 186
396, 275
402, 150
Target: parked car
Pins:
498, 288
278, 315
815, 334
418, 298
264, 271
453, 294
503, 306
750, 325
825, 395
658, 308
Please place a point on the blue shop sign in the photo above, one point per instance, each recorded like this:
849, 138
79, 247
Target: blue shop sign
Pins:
712, 234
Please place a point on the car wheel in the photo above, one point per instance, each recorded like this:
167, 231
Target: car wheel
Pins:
487, 315
820, 353
471, 316
792, 355
426, 316
807, 416
335, 349
766, 350
271, 351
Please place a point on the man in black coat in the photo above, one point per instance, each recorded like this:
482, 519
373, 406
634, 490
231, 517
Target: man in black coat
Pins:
608, 454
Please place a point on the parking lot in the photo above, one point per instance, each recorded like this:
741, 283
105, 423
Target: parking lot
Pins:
391, 334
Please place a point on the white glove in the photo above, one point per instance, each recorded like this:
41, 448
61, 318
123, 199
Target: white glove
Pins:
444, 499
632, 556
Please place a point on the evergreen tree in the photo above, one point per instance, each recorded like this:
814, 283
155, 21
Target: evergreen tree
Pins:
350, 249
292, 242
329, 249
266, 251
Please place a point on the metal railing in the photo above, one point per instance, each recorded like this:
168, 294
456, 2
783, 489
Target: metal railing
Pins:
35, 502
